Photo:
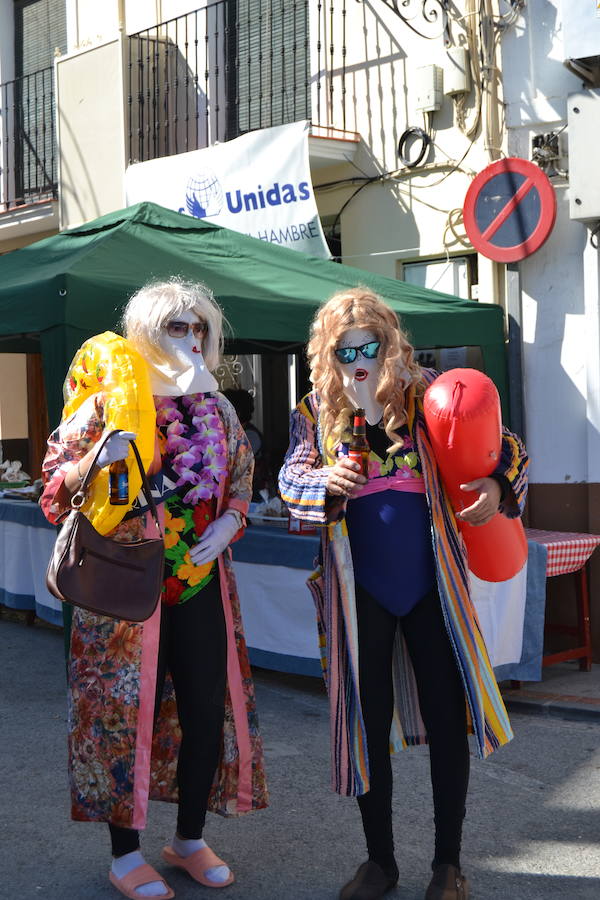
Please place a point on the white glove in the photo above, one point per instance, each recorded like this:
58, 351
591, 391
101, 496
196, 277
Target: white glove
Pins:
116, 447
216, 538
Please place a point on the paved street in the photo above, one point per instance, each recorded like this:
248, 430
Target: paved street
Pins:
532, 832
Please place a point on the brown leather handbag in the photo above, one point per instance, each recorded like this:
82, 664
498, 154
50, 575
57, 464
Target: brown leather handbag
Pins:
117, 580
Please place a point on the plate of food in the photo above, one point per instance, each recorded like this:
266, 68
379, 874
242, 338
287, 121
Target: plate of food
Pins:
271, 512
277, 521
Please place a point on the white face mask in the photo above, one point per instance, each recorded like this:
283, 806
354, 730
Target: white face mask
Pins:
183, 370
361, 376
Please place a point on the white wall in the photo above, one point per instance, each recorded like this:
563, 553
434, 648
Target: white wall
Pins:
386, 223
7, 73
91, 133
141, 14
90, 22
7, 41
404, 218
560, 313
13, 396
554, 356
536, 82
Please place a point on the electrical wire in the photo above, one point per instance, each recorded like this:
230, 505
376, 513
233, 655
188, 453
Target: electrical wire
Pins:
483, 32
374, 253
442, 151
350, 198
413, 132
450, 226
420, 200
394, 177
352, 180
508, 19
454, 168
460, 101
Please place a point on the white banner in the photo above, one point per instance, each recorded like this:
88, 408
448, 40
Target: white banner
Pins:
258, 184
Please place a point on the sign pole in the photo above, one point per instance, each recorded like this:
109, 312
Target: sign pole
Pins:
515, 348
509, 212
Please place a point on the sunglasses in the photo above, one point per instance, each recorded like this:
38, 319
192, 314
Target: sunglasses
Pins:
348, 354
181, 329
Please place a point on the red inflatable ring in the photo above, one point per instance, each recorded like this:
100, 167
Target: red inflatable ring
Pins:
462, 412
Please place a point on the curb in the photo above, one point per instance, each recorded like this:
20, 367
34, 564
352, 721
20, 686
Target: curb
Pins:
575, 709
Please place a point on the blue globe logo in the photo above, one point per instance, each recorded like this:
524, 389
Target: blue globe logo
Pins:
204, 195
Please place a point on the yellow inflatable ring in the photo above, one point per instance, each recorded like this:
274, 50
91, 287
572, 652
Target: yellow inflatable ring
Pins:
108, 364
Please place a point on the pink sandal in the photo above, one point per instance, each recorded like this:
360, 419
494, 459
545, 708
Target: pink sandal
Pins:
139, 876
196, 865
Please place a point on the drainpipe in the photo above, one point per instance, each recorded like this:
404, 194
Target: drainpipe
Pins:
121, 15
515, 348
591, 354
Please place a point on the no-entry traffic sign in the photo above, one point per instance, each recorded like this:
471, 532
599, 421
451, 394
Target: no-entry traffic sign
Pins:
509, 210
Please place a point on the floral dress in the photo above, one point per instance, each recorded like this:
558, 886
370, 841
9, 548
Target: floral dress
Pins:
193, 456
118, 758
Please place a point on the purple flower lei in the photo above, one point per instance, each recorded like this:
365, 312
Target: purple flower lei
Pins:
205, 443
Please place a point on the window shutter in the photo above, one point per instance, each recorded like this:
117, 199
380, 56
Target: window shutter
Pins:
269, 73
40, 29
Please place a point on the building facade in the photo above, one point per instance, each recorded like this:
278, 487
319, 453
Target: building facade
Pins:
407, 103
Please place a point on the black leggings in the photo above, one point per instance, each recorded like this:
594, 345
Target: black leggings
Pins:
442, 703
193, 648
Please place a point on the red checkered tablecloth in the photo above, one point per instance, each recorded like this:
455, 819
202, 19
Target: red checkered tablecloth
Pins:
567, 551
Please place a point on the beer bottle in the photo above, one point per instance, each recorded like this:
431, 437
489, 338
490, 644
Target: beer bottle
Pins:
358, 448
118, 483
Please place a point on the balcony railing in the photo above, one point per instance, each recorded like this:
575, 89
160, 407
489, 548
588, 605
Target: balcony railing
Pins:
28, 158
213, 74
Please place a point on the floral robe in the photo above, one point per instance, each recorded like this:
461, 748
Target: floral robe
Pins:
118, 760
302, 483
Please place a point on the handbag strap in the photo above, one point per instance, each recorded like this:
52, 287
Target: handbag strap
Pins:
81, 492
146, 487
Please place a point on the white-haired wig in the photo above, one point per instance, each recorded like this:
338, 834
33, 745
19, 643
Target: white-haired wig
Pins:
158, 302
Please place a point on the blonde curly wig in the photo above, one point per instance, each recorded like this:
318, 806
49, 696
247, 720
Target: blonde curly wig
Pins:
360, 307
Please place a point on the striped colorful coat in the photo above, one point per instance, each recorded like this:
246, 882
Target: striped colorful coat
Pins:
302, 484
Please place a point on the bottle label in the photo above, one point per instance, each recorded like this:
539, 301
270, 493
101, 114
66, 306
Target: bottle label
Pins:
119, 486
362, 458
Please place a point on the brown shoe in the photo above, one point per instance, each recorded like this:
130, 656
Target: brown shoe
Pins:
448, 883
369, 883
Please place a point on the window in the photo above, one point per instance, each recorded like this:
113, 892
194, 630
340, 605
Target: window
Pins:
40, 30
456, 275
268, 85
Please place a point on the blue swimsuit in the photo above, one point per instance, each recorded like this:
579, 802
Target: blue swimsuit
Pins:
390, 531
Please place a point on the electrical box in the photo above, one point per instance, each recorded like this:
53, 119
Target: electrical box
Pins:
581, 28
457, 76
429, 88
583, 118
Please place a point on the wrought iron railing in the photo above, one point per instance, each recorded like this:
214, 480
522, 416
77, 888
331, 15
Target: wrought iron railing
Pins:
427, 18
28, 158
231, 67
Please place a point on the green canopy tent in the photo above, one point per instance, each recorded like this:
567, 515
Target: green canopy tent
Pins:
59, 291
